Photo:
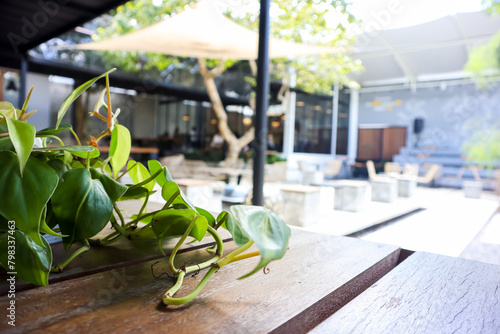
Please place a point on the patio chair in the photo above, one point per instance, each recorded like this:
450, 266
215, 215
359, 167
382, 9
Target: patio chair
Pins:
332, 168
431, 175
410, 169
392, 167
372, 172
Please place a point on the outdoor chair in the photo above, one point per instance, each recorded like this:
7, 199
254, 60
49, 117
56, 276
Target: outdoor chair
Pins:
372, 172
431, 175
410, 169
392, 167
332, 168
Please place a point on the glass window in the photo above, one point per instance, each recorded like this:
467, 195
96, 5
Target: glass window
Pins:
313, 124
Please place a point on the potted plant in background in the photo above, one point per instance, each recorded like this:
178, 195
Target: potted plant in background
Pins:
69, 191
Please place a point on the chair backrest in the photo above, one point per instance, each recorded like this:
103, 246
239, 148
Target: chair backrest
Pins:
304, 166
372, 172
410, 169
392, 167
332, 167
173, 160
431, 174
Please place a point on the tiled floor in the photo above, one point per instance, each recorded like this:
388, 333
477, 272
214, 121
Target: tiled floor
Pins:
450, 224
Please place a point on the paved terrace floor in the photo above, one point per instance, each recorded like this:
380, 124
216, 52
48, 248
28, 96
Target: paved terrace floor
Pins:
435, 220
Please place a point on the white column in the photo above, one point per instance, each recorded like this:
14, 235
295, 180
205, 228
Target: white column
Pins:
352, 140
289, 130
335, 118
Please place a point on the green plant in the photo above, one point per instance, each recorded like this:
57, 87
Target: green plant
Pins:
69, 191
483, 146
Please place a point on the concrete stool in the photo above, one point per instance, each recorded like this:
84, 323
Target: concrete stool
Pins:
311, 177
200, 192
301, 205
407, 184
472, 189
384, 190
350, 195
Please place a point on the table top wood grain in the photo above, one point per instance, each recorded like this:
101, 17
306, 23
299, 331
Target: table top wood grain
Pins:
318, 275
426, 293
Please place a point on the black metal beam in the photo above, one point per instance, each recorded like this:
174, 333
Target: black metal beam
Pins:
262, 101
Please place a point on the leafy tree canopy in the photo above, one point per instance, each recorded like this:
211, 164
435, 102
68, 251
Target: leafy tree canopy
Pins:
312, 22
484, 60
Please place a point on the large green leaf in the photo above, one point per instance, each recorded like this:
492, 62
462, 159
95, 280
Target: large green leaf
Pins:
31, 261
114, 189
58, 165
169, 191
162, 178
52, 131
119, 149
74, 95
24, 197
139, 173
266, 229
210, 218
22, 136
240, 237
7, 110
134, 193
81, 206
79, 151
173, 223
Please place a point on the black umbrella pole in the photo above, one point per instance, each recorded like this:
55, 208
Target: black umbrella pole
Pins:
261, 105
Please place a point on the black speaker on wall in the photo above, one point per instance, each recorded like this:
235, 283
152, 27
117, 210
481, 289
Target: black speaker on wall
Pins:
418, 125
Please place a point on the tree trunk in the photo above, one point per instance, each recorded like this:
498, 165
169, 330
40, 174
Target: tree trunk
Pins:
235, 145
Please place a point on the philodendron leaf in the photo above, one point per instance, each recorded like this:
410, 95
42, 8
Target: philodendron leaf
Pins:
114, 189
22, 136
266, 229
81, 206
33, 263
52, 131
210, 218
7, 110
162, 178
139, 173
74, 95
134, 193
169, 191
172, 223
24, 197
79, 151
240, 236
58, 165
119, 149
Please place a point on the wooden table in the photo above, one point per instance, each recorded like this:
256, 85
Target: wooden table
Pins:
326, 284
151, 151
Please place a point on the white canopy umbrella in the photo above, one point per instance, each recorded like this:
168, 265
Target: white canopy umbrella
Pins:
202, 31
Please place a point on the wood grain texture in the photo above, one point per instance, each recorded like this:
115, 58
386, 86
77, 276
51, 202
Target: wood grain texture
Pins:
426, 293
318, 275
101, 258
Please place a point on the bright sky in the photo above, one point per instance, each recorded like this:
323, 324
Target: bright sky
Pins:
390, 14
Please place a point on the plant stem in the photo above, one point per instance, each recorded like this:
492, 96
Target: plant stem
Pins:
228, 258
58, 139
245, 256
138, 219
76, 136
119, 213
169, 300
179, 244
119, 228
149, 179
218, 253
62, 265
